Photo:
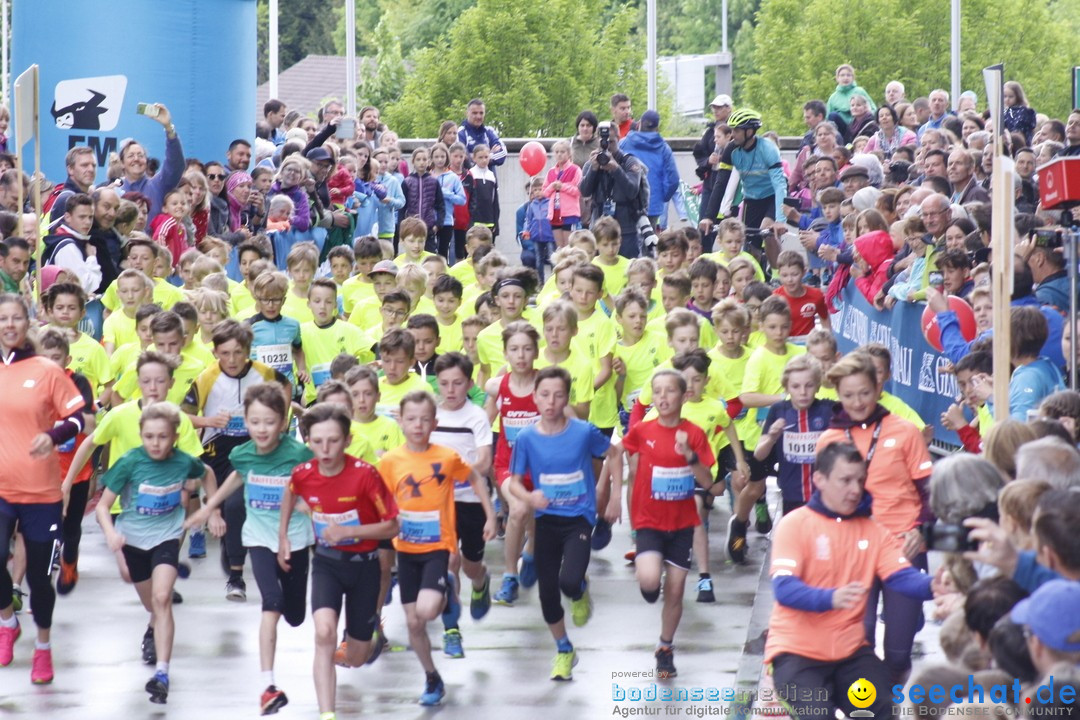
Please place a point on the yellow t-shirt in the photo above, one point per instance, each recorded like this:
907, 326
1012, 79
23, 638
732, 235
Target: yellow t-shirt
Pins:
119, 329
764, 371
614, 275
296, 308
165, 295
596, 338
389, 404
450, 336
901, 409
710, 415
88, 358
489, 344
354, 291
240, 298
729, 373
424, 305
123, 358
718, 258
382, 434
361, 446
581, 371
464, 271
190, 367
367, 314
641, 360
401, 260
322, 344
706, 334
201, 351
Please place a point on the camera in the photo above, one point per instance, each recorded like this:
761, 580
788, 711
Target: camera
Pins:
647, 234
946, 537
605, 141
1048, 238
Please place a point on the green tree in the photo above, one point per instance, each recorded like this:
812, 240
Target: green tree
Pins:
305, 27
384, 85
518, 57
797, 45
368, 16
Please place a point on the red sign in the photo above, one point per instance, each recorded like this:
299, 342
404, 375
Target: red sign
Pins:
1059, 182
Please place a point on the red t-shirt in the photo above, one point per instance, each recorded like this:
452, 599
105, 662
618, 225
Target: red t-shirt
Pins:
664, 484
803, 309
356, 496
516, 412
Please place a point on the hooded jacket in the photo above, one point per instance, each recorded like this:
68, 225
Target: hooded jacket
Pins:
840, 101
67, 249
424, 199
876, 248
655, 154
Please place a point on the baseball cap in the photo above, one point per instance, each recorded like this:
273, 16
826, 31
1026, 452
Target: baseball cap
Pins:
854, 170
1051, 615
318, 154
721, 100
384, 266
650, 120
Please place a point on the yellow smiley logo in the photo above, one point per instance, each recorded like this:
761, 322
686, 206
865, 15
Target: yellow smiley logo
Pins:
862, 693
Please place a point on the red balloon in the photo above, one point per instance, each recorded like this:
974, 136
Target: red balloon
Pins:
533, 158
964, 315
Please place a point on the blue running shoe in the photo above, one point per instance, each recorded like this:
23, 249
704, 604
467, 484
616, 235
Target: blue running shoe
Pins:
481, 600
197, 545
528, 571
601, 534
434, 691
452, 613
508, 593
158, 687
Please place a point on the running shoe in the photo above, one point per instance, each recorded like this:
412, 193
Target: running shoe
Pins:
762, 522
197, 549
581, 609
149, 650
705, 591
601, 534
563, 666
451, 644
41, 669
736, 540
69, 576
378, 644
17, 596
8, 636
183, 570
434, 692
177, 598
272, 700
528, 571
481, 600
452, 611
236, 589
158, 687
631, 555
665, 663
508, 593
341, 656
390, 590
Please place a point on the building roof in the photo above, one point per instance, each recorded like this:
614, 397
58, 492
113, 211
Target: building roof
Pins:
306, 85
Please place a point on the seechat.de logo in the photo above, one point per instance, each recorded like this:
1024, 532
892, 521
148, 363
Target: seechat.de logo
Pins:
89, 103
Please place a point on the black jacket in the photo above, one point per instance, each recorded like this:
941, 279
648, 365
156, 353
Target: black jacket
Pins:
626, 186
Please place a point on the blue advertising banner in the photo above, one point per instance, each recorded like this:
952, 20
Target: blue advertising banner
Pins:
100, 60
917, 368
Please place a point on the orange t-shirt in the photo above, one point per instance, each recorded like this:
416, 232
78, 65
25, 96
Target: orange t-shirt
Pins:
423, 485
37, 393
825, 552
900, 458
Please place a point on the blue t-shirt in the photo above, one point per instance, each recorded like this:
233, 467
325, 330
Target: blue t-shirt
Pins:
796, 450
275, 342
561, 466
1030, 384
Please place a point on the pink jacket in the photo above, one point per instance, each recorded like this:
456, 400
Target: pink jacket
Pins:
569, 198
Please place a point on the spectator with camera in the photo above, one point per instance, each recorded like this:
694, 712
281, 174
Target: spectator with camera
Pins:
616, 185
133, 158
1041, 251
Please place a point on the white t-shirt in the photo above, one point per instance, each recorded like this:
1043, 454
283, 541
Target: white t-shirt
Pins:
464, 431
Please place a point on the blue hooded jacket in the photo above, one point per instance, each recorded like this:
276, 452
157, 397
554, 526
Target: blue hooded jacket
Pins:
655, 154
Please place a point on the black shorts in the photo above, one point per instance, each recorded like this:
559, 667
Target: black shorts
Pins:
760, 470
470, 529
421, 571
387, 544
141, 563
675, 546
36, 522
357, 580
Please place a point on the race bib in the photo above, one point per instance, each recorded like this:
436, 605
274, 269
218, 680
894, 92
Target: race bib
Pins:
672, 483
511, 427
276, 356
236, 426
157, 499
563, 489
320, 374
265, 491
322, 521
421, 528
800, 447
632, 398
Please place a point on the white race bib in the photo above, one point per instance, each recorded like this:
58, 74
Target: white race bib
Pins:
323, 520
563, 489
421, 528
800, 447
276, 356
672, 483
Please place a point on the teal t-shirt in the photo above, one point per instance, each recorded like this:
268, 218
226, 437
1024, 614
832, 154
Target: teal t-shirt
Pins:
265, 479
151, 495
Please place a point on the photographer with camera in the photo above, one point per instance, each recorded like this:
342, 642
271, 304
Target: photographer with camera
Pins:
961, 486
1042, 251
616, 185
826, 557
898, 468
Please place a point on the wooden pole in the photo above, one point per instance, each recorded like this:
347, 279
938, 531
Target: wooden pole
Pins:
1002, 232
38, 176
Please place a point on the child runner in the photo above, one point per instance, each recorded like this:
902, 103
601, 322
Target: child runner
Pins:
262, 466
351, 510
423, 478
793, 427
397, 353
560, 454
510, 399
806, 303
152, 482
669, 456
326, 337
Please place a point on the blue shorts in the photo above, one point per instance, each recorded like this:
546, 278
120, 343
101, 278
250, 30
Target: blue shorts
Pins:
38, 522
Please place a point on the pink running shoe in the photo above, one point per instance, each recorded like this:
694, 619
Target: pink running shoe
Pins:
8, 636
41, 671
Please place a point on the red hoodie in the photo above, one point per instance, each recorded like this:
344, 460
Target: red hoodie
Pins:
876, 248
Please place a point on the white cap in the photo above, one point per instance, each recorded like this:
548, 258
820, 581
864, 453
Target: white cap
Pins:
721, 100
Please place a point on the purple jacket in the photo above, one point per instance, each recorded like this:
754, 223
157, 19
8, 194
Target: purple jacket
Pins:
423, 199
301, 219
